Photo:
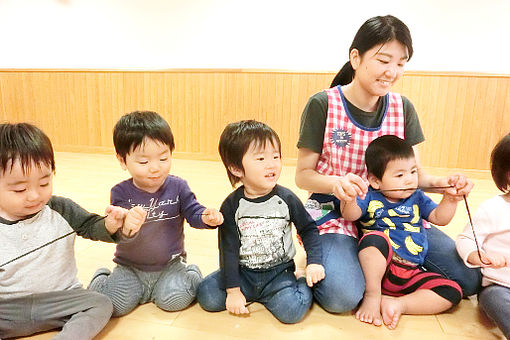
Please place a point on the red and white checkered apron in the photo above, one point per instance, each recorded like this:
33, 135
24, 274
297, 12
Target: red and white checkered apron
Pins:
344, 145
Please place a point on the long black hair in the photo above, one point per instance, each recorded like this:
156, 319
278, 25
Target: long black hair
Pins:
375, 31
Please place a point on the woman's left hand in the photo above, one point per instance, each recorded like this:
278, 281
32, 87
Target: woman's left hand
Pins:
461, 185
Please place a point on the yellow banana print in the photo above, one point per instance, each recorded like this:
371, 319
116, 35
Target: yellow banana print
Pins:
368, 223
393, 213
393, 244
416, 214
409, 227
373, 206
411, 246
389, 223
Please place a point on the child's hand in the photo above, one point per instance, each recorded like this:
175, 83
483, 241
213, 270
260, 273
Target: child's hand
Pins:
488, 259
212, 217
314, 273
114, 218
349, 186
493, 260
236, 302
133, 221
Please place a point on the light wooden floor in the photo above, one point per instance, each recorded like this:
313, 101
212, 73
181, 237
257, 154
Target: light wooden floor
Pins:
87, 179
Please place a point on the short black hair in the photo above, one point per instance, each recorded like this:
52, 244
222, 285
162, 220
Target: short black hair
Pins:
384, 149
28, 144
235, 141
132, 128
500, 164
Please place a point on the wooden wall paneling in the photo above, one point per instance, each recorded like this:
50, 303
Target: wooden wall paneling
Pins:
503, 106
215, 126
110, 108
459, 106
449, 146
469, 99
3, 99
57, 93
285, 98
176, 110
462, 115
499, 108
481, 125
406, 86
206, 111
91, 109
414, 89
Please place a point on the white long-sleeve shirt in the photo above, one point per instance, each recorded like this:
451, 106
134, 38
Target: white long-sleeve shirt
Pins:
492, 227
51, 268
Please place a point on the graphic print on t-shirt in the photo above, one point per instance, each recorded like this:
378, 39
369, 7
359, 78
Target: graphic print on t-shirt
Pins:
159, 210
261, 240
264, 233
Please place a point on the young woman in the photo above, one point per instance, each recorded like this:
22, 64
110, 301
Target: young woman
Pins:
336, 127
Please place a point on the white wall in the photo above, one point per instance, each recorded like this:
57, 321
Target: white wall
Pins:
449, 35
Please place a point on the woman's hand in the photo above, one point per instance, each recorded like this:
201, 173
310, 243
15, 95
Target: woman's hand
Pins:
348, 187
461, 185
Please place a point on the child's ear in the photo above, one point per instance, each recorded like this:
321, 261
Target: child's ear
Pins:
235, 171
122, 162
374, 181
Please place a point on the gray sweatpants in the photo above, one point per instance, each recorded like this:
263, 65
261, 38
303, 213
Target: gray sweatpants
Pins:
80, 313
171, 289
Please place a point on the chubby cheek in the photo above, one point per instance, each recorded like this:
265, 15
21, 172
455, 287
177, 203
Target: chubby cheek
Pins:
48, 193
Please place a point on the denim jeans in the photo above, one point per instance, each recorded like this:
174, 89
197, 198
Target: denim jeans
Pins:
442, 258
343, 287
277, 288
495, 302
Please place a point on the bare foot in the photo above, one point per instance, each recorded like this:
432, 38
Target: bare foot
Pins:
391, 310
370, 309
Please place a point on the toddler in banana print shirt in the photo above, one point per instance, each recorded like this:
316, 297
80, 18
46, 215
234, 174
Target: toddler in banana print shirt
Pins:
394, 244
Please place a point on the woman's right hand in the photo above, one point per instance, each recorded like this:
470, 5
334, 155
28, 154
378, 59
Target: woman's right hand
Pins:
348, 187
345, 188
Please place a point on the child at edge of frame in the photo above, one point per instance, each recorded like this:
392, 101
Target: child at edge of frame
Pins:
40, 290
492, 227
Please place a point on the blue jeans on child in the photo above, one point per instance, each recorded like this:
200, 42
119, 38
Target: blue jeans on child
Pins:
343, 287
495, 302
277, 288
